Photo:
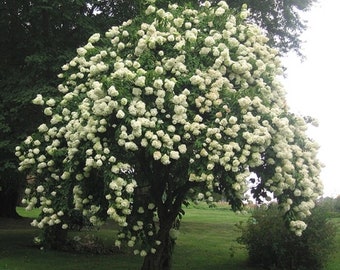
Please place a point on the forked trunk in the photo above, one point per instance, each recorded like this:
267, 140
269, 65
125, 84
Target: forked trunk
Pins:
169, 200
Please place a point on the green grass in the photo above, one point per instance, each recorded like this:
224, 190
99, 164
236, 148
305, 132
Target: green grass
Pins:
28, 214
206, 239
334, 262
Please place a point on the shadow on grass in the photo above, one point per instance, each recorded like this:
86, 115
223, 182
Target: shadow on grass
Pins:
17, 252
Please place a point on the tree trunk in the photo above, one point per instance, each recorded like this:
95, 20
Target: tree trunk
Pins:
169, 198
161, 260
8, 202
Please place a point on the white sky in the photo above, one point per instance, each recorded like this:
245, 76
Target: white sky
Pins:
313, 87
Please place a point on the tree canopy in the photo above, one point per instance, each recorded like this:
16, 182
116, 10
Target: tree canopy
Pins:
165, 108
39, 36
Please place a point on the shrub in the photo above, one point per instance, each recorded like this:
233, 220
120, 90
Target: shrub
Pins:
272, 245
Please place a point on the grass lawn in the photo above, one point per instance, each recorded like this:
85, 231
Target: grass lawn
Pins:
334, 263
205, 239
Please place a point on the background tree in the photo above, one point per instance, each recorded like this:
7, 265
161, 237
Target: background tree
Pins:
160, 110
37, 38
330, 204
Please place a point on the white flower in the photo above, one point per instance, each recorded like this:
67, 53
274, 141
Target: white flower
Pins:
143, 253
120, 114
176, 138
157, 155
112, 91
40, 189
131, 243
169, 85
151, 206
81, 51
232, 120
94, 38
38, 100
244, 14
161, 13
28, 140
65, 175
178, 22
150, 9
129, 188
207, 4
209, 41
159, 70
65, 67
165, 159
219, 11
182, 148
198, 118
196, 80
156, 144
140, 81
121, 46
188, 25
204, 51
158, 83
174, 155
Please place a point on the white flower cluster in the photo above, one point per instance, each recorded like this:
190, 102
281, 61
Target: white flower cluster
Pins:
298, 227
185, 92
51, 216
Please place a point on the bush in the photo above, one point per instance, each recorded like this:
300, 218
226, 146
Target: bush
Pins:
272, 245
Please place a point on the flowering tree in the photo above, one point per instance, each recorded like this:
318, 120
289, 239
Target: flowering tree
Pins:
164, 108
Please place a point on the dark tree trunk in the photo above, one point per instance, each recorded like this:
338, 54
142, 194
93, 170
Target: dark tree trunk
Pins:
8, 202
168, 219
168, 191
161, 260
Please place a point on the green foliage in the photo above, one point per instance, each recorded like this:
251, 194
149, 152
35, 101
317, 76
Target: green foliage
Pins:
337, 204
272, 245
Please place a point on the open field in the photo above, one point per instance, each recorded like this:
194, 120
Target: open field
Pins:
206, 237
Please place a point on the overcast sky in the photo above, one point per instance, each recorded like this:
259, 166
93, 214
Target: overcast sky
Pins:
313, 86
